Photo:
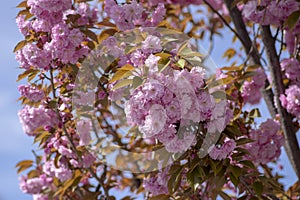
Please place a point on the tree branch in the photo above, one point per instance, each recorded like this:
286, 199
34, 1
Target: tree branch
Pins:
250, 49
73, 147
289, 130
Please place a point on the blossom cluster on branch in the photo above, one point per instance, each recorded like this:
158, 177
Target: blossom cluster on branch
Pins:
106, 77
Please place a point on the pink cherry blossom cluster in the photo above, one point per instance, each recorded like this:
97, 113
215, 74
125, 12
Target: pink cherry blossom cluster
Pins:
49, 11
134, 14
84, 128
87, 14
268, 12
34, 185
168, 101
31, 92
59, 40
62, 145
32, 55
157, 184
291, 69
64, 43
220, 152
32, 118
60, 171
156, 109
62, 168
181, 2
267, 142
217, 4
251, 89
291, 99
291, 37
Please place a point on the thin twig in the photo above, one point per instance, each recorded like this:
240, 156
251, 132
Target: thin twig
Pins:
73, 147
240, 27
281, 44
223, 19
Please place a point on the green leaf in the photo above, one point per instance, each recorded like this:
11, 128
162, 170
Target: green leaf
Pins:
175, 168
122, 83
187, 52
233, 130
201, 172
195, 61
181, 63
243, 197
194, 163
254, 113
76, 181
182, 46
234, 180
224, 195
193, 179
243, 141
235, 170
292, 20
137, 81
174, 181
219, 94
216, 166
119, 75
163, 55
162, 67
52, 104
258, 187
248, 163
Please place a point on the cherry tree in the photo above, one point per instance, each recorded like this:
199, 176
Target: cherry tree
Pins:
121, 96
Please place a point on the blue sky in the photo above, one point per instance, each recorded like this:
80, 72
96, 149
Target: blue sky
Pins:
14, 144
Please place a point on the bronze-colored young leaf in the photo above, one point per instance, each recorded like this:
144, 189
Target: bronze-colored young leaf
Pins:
20, 45
160, 197
90, 34
120, 74
23, 165
229, 53
23, 4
